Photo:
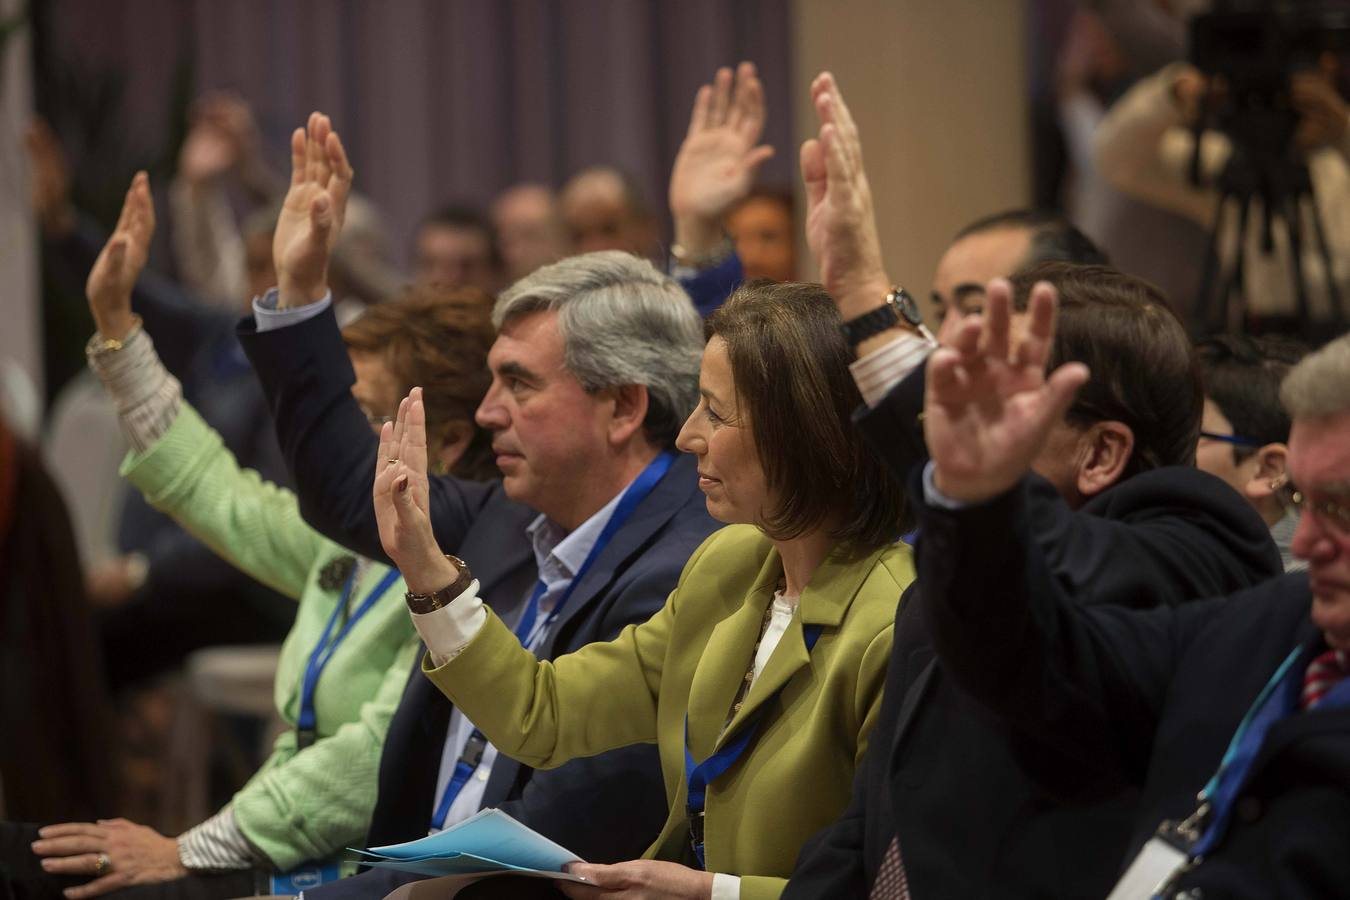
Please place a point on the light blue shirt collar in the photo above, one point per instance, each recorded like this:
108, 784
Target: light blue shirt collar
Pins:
559, 555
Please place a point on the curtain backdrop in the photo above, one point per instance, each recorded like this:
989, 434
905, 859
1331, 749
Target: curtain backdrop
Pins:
437, 100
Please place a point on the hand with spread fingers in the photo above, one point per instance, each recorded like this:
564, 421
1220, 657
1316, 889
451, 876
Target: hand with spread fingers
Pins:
988, 408
648, 879
841, 226
113, 853
401, 500
121, 262
312, 214
716, 164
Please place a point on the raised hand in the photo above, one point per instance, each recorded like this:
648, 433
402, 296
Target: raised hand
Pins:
721, 153
121, 261
841, 226
989, 411
311, 216
401, 500
51, 180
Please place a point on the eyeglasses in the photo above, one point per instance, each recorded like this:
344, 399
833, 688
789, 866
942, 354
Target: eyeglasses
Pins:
1334, 515
1235, 439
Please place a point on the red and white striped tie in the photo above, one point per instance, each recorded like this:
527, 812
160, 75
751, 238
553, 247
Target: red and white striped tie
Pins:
891, 883
1323, 674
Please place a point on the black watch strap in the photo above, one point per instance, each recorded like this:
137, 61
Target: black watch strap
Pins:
425, 603
899, 307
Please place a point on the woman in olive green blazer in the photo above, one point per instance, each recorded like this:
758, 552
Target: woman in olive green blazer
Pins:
795, 600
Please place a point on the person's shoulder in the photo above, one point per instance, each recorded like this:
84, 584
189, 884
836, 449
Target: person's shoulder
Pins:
739, 546
1175, 489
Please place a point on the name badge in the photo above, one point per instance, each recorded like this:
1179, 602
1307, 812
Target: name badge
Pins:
305, 878
1150, 872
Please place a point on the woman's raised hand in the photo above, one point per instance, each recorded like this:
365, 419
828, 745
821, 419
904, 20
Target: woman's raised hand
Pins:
312, 214
401, 500
121, 261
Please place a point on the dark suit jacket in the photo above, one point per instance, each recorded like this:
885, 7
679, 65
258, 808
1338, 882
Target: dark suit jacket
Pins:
605, 808
1149, 698
972, 816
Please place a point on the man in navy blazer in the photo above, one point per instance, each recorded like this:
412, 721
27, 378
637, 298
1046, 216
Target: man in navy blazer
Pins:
1119, 513
1230, 716
594, 370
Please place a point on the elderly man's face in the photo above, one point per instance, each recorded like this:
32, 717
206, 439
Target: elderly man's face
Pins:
972, 262
1319, 463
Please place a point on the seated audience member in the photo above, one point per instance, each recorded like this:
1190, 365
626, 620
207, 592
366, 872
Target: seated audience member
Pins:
1245, 431
1000, 244
584, 400
1241, 698
945, 804
713, 171
344, 664
56, 757
766, 662
166, 593
762, 229
456, 247
1144, 148
529, 229
604, 209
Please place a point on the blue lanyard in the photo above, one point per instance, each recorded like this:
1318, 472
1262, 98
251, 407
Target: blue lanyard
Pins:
529, 629
1277, 700
698, 776
305, 725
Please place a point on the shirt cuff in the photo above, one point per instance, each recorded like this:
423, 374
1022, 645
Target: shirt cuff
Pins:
448, 630
146, 396
932, 496
218, 844
726, 887
882, 369
267, 317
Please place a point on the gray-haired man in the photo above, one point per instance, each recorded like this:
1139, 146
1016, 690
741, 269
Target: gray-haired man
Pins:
594, 369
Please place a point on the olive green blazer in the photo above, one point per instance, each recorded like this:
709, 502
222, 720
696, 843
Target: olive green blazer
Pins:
691, 657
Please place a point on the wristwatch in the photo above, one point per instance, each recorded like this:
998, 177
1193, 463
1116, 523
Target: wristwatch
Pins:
899, 307
421, 604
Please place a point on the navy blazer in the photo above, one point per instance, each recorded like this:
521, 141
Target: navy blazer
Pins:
1148, 698
605, 808
973, 818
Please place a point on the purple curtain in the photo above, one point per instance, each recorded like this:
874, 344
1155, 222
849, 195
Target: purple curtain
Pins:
444, 100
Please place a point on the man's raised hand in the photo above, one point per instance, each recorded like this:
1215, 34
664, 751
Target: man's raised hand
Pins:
988, 412
721, 153
312, 214
121, 261
841, 226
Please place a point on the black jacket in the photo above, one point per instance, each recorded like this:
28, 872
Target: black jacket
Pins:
605, 808
972, 816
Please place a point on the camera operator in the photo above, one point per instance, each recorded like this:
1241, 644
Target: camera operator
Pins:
1145, 145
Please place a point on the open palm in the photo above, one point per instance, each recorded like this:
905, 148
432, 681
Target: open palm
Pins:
312, 214
988, 412
401, 497
121, 261
721, 153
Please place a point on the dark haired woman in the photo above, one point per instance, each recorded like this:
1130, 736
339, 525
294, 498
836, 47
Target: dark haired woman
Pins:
762, 675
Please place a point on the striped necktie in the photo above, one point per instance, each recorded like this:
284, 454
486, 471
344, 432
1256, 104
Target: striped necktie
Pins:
891, 883
1323, 674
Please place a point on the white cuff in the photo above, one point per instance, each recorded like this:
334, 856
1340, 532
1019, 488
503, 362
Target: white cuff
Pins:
267, 317
884, 368
932, 496
448, 630
726, 887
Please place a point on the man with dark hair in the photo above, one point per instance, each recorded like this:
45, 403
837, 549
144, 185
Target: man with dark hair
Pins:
943, 801
1245, 431
997, 245
456, 246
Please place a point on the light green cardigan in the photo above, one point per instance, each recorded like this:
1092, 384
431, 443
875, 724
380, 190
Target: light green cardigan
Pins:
304, 805
691, 657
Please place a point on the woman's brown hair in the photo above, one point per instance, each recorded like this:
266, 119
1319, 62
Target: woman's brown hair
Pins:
437, 338
790, 362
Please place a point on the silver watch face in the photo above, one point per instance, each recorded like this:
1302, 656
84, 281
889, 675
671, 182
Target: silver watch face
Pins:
908, 309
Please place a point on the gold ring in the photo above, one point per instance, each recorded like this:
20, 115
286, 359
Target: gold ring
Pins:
102, 865
393, 461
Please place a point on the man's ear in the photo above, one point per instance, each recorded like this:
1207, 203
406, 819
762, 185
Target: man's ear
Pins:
1107, 449
630, 411
1270, 461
